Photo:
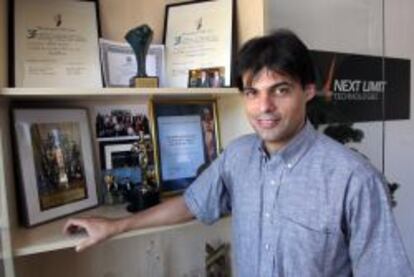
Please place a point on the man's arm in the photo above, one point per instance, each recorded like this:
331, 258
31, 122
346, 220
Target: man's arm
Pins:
375, 245
99, 229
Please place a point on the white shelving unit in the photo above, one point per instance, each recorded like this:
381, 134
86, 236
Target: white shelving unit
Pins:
28, 243
44, 250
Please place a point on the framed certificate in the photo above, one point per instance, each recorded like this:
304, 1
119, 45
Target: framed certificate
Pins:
56, 44
119, 63
187, 141
198, 35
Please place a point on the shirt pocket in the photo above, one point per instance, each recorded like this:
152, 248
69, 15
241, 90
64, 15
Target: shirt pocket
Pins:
305, 235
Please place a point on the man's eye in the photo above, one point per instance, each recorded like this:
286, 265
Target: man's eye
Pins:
280, 91
249, 92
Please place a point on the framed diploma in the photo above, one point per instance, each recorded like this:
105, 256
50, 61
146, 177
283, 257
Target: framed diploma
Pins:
56, 44
119, 63
187, 141
198, 35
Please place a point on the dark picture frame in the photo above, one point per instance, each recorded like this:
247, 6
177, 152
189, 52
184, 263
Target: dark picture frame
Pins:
55, 163
54, 44
199, 34
187, 140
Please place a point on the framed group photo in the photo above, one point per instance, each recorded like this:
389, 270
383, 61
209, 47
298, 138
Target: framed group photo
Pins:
187, 141
56, 165
121, 122
198, 34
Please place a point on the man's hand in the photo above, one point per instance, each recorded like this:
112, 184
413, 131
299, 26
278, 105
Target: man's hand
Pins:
97, 230
172, 211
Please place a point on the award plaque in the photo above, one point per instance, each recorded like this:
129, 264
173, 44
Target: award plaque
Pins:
56, 44
140, 39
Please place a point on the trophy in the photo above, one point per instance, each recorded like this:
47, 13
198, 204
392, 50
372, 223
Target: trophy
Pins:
147, 194
140, 39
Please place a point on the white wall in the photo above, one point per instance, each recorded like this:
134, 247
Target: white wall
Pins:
399, 139
355, 26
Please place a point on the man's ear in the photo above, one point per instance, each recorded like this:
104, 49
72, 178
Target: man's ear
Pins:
310, 91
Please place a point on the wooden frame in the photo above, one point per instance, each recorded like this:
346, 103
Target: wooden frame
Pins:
186, 139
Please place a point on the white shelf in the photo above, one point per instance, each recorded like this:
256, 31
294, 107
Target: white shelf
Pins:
105, 93
49, 236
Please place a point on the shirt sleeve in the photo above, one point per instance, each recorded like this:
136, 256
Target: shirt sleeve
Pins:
207, 197
375, 245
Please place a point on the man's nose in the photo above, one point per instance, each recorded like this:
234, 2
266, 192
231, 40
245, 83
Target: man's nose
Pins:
266, 102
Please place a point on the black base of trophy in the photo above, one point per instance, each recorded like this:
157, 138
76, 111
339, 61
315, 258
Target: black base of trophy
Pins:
144, 82
139, 201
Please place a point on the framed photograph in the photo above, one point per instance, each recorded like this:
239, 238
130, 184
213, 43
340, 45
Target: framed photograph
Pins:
119, 63
187, 141
212, 77
56, 165
55, 44
118, 160
121, 122
198, 34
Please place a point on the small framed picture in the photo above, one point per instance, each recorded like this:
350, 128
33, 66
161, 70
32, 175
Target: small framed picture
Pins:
119, 63
121, 122
120, 161
56, 165
187, 141
212, 77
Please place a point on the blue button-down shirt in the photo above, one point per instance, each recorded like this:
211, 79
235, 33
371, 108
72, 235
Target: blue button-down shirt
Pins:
314, 208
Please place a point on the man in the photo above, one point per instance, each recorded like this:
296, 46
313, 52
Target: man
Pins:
216, 81
301, 204
203, 81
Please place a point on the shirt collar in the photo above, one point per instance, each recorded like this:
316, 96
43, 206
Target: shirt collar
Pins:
296, 148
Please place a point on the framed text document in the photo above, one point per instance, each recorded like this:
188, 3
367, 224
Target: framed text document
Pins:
56, 44
186, 141
198, 35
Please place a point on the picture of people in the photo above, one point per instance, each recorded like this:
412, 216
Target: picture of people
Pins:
58, 163
121, 121
212, 77
123, 167
210, 145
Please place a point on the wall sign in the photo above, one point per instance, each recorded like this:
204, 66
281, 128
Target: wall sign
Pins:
353, 88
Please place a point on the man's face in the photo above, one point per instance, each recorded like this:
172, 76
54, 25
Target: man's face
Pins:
275, 106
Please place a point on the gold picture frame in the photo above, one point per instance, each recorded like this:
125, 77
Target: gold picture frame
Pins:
186, 140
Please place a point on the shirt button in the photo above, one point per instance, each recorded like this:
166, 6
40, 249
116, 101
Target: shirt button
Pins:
289, 165
267, 215
272, 182
267, 246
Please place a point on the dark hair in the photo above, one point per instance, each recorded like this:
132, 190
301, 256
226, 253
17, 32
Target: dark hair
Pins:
282, 51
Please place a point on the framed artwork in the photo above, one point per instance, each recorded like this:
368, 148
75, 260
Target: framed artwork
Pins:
121, 122
187, 141
55, 162
198, 34
119, 63
55, 44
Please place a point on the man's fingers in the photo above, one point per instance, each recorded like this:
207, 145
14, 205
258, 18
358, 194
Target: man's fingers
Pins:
85, 243
74, 225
